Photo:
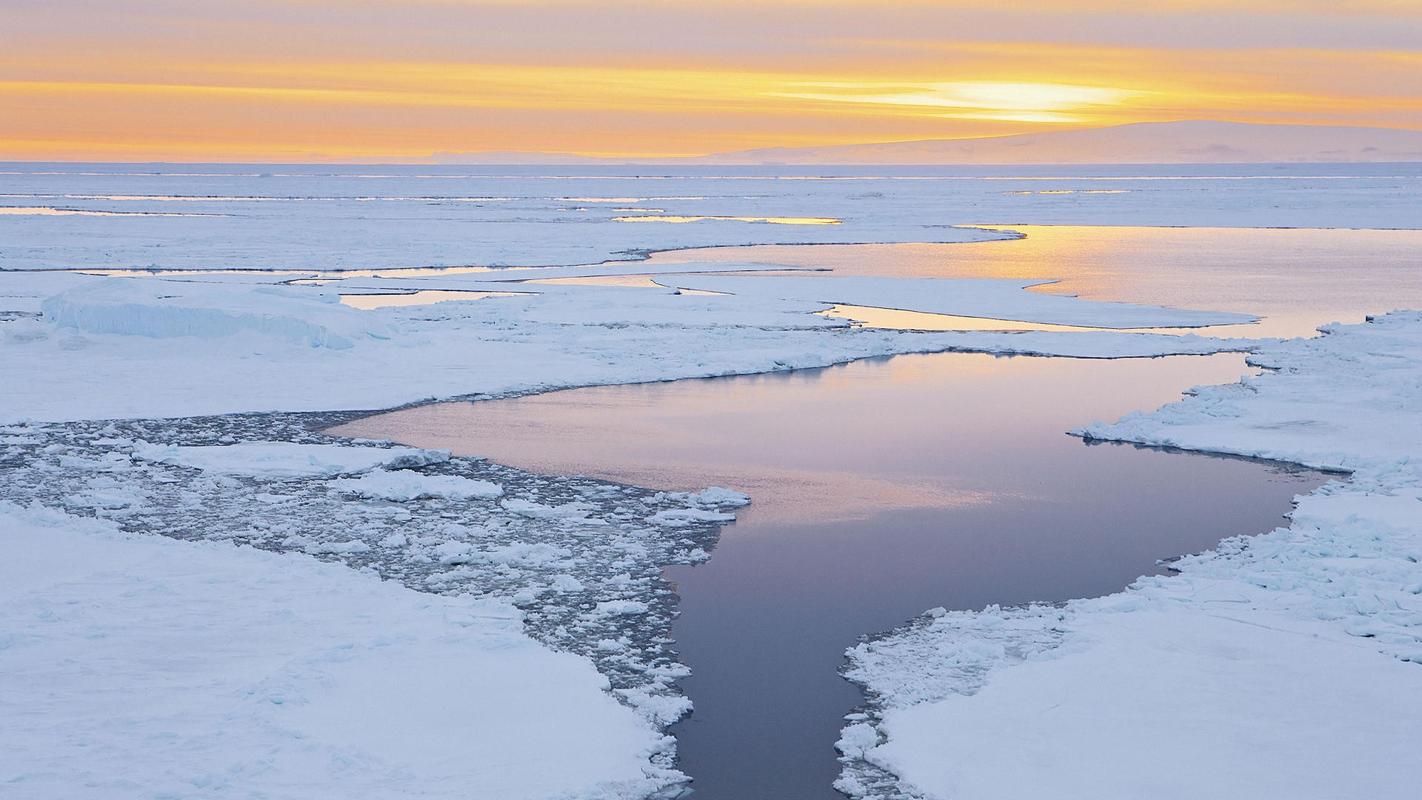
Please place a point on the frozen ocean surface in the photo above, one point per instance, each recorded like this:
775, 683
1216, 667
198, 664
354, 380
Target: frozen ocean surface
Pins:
582, 559
902, 484
1295, 280
341, 217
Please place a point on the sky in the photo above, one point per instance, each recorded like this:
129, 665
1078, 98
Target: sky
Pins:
418, 80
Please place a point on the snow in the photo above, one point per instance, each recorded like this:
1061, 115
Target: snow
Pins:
184, 308
528, 508
152, 665
714, 497
1261, 706
328, 217
288, 460
225, 355
348, 547
22, 292
558, 549
613, 607
403, 485
1288, 662
684, 516
140, 666
1340, 401
962, 297
479, 279
208, 344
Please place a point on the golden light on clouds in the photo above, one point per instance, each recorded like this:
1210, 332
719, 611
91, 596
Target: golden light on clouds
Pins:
371, 80
993, 100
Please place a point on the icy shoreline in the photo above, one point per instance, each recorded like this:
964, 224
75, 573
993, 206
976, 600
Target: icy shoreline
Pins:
141, 666
105, 469
233, 347
580, 559
1289, 660
350, 218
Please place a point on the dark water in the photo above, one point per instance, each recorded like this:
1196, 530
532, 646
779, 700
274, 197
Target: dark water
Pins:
882, 488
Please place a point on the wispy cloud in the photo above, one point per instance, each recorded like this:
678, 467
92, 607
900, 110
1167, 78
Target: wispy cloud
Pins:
208, 79
994, 100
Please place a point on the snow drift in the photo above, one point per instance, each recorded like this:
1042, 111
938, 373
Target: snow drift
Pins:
162, 309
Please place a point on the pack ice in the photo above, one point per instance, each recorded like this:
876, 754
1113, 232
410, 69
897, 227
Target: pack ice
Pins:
178, 346
1282, 665
141, 666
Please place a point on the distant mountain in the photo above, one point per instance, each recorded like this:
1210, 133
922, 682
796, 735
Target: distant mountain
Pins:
1189, 142
1192, 142
516, 157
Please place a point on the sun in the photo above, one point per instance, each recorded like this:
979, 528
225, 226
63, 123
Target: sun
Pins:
1000, 100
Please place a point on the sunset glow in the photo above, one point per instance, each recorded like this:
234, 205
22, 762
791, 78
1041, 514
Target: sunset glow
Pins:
365, 80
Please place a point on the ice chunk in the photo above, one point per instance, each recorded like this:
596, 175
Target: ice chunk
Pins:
857, 739
161, 309
287, 460
404, 485
337, 548
620, 607
679, 517
532, 510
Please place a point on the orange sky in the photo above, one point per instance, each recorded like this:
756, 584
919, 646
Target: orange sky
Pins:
304, 80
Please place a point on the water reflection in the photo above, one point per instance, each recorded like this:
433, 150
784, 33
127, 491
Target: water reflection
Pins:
881, 488
872, 317
50, 211
827, 444
1296, 279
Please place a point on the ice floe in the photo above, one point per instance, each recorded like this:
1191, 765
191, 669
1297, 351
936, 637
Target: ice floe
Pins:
290, 460
577, 556
963, 297
403, 484
1290, 663
1279, 615
141, 665
165, 348
184, 308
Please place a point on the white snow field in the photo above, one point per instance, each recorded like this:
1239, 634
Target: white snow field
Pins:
165, 347
138, 666
330, 217
1283, 665
142, 666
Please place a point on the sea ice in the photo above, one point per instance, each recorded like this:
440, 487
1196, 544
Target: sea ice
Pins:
1336, 592
560, 549
962, 297
140, 665
326, 217
198, 363
289, 460
184, 308
677, 517
1288, 663
403, 484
